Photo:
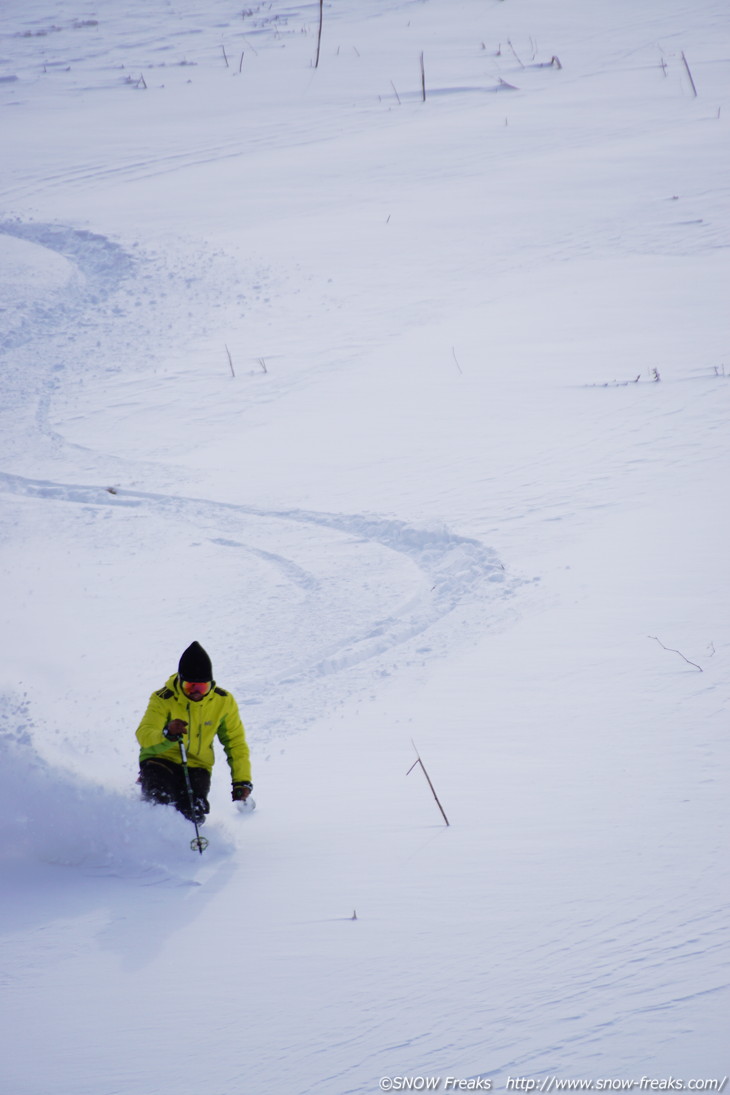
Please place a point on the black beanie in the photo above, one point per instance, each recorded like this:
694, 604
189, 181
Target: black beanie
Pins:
195, 664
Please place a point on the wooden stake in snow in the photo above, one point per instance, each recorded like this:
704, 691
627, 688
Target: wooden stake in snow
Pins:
428, 780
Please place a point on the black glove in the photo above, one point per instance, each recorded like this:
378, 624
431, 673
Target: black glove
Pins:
175, 730
241, 790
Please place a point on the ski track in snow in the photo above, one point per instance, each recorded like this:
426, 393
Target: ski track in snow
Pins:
452, 568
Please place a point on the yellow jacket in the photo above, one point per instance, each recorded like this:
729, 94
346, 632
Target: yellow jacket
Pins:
215, 715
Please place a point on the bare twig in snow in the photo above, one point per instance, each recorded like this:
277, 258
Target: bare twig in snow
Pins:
418, 761
694, 89
515, 54
319, 32
423, 79
673, 651
230, 362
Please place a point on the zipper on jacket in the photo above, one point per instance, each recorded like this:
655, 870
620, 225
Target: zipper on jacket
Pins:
190, 730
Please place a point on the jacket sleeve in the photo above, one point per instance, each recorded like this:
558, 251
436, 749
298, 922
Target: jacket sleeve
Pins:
154, 721
232, 737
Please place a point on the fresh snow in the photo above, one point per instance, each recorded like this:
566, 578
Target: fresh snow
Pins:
466, 491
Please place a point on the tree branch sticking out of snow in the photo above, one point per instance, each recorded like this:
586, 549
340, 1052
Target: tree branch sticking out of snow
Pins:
230, 362
423, 79
319, 32
673, 651
418, 761
519, 62
686, 65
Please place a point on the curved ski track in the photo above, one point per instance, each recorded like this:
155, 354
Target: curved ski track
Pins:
433, 573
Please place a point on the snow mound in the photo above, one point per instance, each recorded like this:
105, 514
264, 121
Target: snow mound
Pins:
28, 271
50, 275
34, 280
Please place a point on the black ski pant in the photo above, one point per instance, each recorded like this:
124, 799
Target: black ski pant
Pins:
164, 781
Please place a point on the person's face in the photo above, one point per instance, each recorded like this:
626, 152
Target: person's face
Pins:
195, 690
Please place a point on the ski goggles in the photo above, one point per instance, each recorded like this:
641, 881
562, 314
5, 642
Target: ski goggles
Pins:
196, 688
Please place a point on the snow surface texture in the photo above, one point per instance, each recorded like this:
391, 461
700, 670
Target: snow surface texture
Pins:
414, 413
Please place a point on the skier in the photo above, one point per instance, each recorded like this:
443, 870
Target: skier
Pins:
193, 709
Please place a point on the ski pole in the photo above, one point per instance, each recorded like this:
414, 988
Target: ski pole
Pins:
198, 843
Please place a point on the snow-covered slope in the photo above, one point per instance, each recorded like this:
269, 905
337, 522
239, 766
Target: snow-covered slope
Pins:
414, 413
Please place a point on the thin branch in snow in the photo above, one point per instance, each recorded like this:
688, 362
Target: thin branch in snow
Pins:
520, 63
319, 32
418, 761
673, 651
230, 362
423, 79
686, 65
